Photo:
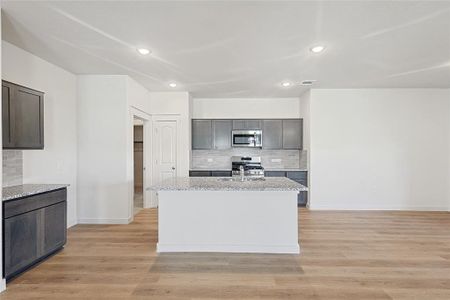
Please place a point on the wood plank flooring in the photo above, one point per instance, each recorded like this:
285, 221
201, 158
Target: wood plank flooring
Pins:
345, 255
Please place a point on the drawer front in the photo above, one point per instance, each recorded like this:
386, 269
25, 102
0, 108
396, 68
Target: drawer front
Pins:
221, 173
275, 174
199, 173
297, 175
23, 205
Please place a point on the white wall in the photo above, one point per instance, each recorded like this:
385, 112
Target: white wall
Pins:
106, 106
258, 108
177, 103
380, 149
102, 150
138, 102
305, 102
57, 163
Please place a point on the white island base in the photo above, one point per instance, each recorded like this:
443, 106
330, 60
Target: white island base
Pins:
228, 221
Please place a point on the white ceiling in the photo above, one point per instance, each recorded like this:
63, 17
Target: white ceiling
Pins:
241, 49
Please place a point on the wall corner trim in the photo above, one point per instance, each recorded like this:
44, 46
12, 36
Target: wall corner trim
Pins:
3, 285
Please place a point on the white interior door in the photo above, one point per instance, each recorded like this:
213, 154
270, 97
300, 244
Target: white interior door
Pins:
165, 149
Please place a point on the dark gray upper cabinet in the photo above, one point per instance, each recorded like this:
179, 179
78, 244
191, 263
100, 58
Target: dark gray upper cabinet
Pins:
6, 97
201, 134
293, 134
23, 117
253, 124
272, 134
222, 134
277, 133
247, 124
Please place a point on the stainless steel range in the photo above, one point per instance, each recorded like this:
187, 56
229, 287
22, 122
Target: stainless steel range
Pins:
250, 166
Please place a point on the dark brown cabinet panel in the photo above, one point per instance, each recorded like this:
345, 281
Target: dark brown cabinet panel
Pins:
6, 97
54, 227
22, 117
34, 227
21, 242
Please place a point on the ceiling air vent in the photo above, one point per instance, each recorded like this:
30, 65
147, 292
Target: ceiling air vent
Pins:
307, 82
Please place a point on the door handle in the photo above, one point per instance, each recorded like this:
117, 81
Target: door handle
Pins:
173, 168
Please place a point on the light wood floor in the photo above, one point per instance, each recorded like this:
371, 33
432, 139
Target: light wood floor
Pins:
345, 255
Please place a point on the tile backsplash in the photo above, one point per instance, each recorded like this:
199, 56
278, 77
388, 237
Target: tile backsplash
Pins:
271, 159
12, 167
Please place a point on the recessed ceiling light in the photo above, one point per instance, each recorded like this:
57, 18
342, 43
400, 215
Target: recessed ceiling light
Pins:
143, 51
173, 85
286, 84
317, 49
308, 82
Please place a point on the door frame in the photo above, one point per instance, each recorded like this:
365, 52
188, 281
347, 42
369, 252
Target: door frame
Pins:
147, 146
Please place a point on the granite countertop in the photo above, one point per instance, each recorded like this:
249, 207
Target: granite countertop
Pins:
268, 170
216, 184
24, 190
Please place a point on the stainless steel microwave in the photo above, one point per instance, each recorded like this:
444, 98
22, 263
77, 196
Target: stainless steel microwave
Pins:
247, 138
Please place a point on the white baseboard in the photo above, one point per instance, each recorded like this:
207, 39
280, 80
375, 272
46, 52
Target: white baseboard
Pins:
105, 221
71, 223
289, 249
411, 208
3, 285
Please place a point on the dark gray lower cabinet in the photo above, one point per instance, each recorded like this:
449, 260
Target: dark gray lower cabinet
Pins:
22, 234
209, 173
221, 173
34, 228
199, 173
298, 176
54, 226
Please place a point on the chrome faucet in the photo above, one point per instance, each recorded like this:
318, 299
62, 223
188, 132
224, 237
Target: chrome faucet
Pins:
241, 172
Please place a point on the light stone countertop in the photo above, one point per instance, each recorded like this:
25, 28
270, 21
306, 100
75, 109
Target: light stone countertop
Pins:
19, 191
216, 184
267, 170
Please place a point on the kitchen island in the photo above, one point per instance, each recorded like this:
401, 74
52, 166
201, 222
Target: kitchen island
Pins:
204, 214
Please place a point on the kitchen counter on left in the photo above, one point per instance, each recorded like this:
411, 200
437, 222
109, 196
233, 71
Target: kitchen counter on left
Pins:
24, 190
